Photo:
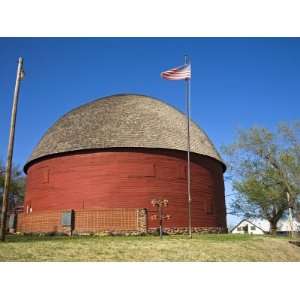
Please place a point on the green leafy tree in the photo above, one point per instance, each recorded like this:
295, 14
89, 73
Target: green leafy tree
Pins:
264, 166
17, 186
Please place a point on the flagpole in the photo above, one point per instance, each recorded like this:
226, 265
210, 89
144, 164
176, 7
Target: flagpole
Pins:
188, 92
10, 150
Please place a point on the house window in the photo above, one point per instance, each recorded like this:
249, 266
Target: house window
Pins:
253, 228
239, 229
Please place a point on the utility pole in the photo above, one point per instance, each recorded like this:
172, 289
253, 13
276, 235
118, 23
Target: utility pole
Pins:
290, 214
20, 76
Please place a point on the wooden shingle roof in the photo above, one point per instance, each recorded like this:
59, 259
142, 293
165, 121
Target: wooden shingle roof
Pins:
123, 120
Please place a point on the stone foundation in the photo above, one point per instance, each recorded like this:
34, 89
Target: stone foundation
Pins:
185, 230
142, 217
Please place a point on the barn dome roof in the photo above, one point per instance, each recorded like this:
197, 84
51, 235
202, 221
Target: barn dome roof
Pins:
123, 120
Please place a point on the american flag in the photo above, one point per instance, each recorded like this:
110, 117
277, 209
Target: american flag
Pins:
179, 73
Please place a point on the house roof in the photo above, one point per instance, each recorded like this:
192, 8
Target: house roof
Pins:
247, 220
282, 225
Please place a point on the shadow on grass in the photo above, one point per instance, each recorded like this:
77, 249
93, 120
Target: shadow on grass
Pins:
39, 238
29, 238
196, 237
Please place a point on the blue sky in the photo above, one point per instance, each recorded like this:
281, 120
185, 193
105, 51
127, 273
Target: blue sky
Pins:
236, 82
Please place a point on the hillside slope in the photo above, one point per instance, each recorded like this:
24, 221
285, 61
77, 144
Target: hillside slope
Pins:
149, 248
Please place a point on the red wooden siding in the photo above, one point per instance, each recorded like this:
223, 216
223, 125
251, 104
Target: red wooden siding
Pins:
129, 179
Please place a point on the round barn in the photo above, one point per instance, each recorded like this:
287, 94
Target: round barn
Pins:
121, 152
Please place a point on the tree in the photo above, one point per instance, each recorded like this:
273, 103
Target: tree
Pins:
264, 166
17, 186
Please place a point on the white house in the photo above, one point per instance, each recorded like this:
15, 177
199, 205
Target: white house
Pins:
260, 226
284, 226
247, 226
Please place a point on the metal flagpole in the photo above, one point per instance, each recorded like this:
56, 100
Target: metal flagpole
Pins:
187, 88
10, 150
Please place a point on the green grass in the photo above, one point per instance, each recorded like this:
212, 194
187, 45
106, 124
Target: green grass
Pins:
205, 247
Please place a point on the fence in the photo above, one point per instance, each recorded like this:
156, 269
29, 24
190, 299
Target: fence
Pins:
83, 221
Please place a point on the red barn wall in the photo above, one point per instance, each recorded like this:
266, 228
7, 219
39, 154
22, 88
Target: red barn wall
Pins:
129, 179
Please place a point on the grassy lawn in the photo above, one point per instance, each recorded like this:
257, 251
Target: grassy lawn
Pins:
205, 247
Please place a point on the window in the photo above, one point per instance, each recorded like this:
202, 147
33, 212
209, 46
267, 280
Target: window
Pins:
253, 228
239, 229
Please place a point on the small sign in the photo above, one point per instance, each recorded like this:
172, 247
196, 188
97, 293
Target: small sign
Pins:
66, 218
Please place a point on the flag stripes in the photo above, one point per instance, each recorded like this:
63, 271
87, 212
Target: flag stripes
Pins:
179, 73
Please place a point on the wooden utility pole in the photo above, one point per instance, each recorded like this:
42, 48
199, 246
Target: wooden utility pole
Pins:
20, 75
290, 214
